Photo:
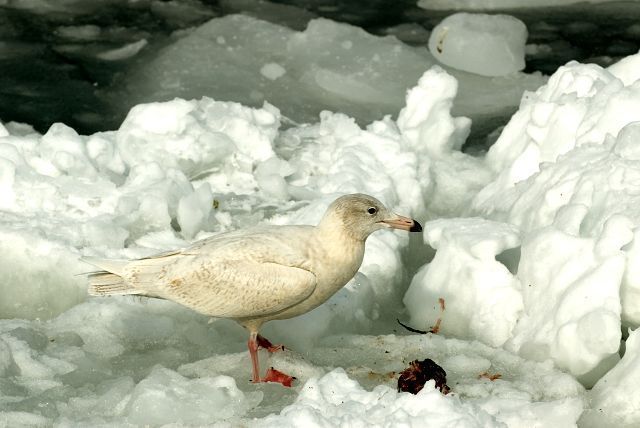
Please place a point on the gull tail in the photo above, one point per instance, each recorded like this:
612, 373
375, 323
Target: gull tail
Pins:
108, 282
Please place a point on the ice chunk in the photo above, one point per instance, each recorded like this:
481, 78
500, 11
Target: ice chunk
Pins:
194, 209
447, 176
271, 174
166, 397
426, 121
626, 144
490, 45
272, 71
36, 276
483, 299
630, 287
614, 399
581, 104
7, 180
583, 201
627, 69
200, 137
125, 52
571, 290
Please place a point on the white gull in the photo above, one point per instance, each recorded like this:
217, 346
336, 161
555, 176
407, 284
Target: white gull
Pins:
258, 274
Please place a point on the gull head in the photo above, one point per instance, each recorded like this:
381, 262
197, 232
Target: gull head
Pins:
360, 215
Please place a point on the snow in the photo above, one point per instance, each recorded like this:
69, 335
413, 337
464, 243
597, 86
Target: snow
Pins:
465, 273
489, 45
613, 399
532, 246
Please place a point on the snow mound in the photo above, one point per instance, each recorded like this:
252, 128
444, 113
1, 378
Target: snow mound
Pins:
482, 298
614, 399
565, 185
337, 400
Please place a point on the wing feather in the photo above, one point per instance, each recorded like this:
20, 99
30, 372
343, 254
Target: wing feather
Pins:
240, 289
230, 275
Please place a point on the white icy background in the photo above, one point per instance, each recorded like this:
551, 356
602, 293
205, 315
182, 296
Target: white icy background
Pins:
535, 253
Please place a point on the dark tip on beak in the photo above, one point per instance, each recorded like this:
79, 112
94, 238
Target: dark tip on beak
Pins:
417, 227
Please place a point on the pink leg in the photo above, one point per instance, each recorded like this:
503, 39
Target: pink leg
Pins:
253, 352
272, 375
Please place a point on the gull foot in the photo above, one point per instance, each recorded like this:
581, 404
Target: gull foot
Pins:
263, 342
277, 376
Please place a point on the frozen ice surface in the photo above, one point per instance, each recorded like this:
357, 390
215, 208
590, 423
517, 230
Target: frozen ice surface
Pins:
341, 66
126, 363
489, 45
328, 66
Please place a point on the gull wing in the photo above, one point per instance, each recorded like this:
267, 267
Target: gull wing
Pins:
241, 289
241, 276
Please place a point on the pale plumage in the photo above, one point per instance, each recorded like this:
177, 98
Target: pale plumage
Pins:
258, 274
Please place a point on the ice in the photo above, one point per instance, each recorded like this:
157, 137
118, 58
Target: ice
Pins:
579, 278
194, 209
125, 52
626, 69
33, 268
613, 400
328, 66
446, 175
580, 104
482, 298
490, 45
272, 71
167, 397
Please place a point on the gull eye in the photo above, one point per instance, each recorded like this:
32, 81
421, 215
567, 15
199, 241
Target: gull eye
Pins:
372, 210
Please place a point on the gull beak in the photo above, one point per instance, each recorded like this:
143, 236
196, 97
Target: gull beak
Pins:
403, 223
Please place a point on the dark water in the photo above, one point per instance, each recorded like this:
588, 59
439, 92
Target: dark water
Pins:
46, 77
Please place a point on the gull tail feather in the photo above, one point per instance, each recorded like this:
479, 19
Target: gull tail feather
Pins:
109, 282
